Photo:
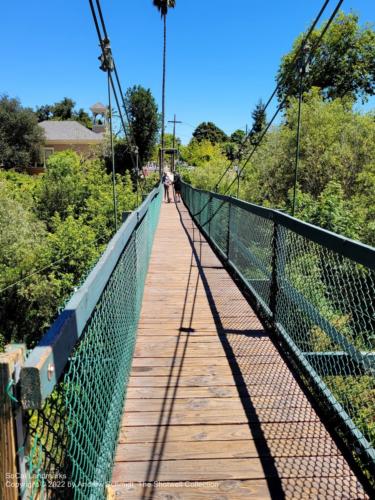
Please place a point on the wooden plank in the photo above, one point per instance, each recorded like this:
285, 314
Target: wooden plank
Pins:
201, 341
166, 449
255, 489
252, 489
176, 332
191, 470
9, 362
212, 400
183, 371
197, 381
182, 392
228, 432
143, 351
173, 416
190, 450
184, 418
185, 404
168, 362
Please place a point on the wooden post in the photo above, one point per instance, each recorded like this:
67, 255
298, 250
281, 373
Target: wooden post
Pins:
10, 365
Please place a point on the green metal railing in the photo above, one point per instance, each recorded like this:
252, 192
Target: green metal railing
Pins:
316, 290
74, 382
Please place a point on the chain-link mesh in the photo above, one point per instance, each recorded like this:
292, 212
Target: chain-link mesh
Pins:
317, 290
73, 437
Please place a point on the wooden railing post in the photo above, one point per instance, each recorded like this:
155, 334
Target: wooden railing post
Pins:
12, 473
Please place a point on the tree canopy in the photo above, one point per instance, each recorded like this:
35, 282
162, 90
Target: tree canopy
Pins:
336, 175
144, 120
63, 110
164, 5
208, 131
20, 135
59, 222
259, 122
343, 64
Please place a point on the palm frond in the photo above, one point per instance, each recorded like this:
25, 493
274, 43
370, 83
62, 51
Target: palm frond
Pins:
164, 5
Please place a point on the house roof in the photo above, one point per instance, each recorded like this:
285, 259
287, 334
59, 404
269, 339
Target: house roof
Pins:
69, 131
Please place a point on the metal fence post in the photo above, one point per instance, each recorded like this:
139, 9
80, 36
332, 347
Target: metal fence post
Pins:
274, 289
209, 213
228, 230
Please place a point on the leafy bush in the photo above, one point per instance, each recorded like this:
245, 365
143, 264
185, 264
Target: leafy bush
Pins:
59, 223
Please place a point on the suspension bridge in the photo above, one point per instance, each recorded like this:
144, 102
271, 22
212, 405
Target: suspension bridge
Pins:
229, 358
217, 350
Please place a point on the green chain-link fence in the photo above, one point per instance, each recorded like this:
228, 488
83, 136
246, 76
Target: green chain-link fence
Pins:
73, 436
317, 291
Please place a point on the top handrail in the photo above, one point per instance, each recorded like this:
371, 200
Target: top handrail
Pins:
46, 362
346, 247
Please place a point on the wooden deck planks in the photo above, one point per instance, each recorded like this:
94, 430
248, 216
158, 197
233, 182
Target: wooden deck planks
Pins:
212, 410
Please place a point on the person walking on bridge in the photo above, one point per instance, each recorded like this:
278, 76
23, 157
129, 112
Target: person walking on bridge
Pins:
177, 187
167, 182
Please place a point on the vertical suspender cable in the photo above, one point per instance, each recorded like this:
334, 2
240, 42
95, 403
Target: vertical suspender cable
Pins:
112, 151
280, 81
298, 140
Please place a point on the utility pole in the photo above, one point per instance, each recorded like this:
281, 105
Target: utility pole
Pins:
174, 121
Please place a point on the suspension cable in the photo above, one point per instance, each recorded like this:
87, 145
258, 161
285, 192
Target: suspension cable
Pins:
311, 53
103, 35
281, 80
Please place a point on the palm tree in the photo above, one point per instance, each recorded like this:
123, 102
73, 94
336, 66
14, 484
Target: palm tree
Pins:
163, 6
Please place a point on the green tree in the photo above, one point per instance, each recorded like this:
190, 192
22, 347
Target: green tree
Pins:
337, 143
143, 120
259, 122
62, 186
27, 308
20, 136
343, 65
238, 136
72, 188
208, 131
82, 117
63, 110
53, 228
210, 162
234, 147
163, 6
331, 210
44, 112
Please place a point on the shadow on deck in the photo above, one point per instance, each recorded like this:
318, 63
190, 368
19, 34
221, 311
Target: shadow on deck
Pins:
212, 409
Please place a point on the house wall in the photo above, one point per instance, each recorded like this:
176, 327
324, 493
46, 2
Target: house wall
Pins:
79, 148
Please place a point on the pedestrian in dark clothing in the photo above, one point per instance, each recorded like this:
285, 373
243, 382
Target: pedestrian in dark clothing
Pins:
177, 187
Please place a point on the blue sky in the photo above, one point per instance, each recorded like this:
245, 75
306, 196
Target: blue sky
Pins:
221, 60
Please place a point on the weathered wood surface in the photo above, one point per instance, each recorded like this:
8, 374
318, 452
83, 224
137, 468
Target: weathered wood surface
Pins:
212, 409
10, 362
